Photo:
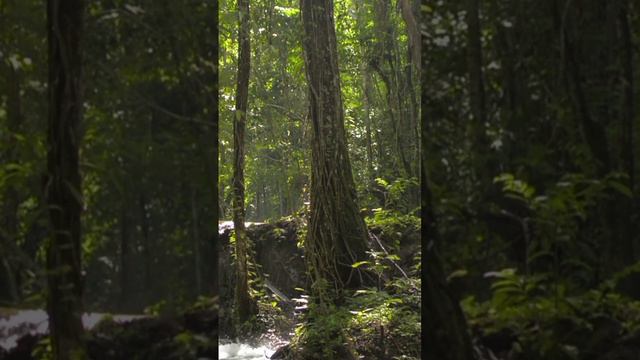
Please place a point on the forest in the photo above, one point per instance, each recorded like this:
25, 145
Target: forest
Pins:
530, 179
331, 140
129, 127
319, 190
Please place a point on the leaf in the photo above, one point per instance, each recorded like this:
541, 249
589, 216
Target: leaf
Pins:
360, 263
287, 11
457, 274
621, 188
135, 10
382, 182
500, 274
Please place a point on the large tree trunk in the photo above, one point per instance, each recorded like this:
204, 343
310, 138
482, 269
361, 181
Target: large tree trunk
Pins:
337, 235
243, 299
63, 188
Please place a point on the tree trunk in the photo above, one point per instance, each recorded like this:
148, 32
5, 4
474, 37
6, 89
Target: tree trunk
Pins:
412, 31
337, 235
243, 299
63, 188
371, 175
412, 70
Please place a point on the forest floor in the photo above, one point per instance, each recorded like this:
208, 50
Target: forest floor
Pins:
380, 322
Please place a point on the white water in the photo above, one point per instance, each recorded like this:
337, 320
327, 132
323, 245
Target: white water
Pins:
22, 322
224, 225
237, 351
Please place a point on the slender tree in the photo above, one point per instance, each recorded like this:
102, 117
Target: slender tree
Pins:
243, 299
337, 235
63, 187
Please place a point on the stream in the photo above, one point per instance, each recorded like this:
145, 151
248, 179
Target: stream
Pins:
239, 351
14, 323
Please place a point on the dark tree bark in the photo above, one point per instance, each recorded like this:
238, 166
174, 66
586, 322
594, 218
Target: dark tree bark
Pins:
337, 235
243, 299
63, 188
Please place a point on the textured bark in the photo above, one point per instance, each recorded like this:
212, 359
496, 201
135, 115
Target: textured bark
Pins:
371, 175
63, 188
337, 235
412, 31
243, 299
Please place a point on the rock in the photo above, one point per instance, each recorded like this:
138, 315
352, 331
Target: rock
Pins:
25, 345
282, 353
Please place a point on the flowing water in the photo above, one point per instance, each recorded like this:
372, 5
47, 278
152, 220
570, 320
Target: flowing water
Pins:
239, 351
15, 323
